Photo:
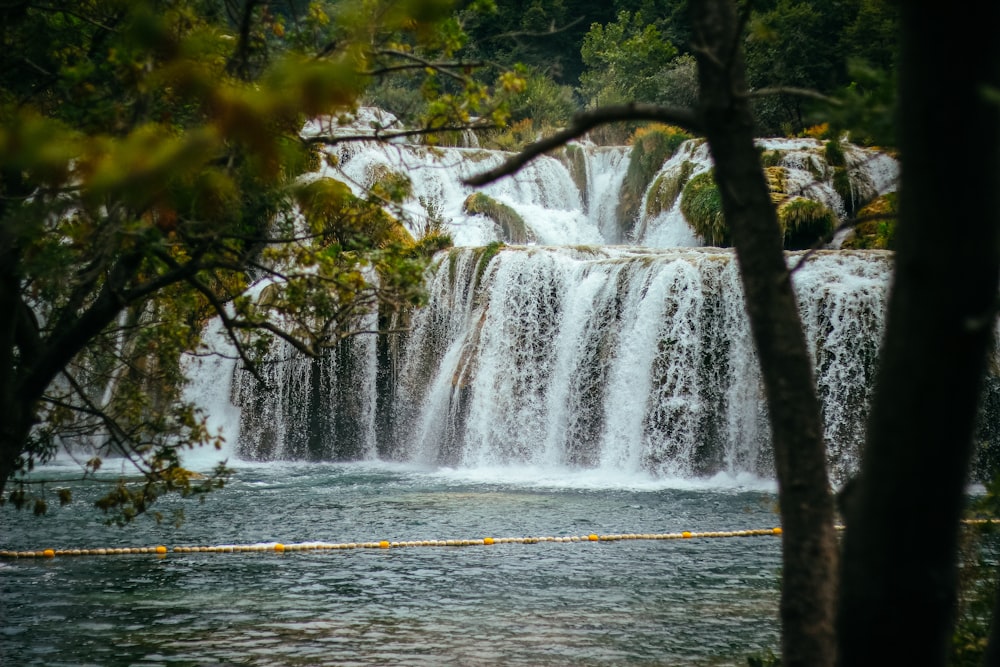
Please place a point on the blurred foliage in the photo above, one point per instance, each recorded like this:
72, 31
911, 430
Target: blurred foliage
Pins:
978, 578
153, 177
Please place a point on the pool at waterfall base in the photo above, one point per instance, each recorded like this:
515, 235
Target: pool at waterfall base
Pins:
627, 602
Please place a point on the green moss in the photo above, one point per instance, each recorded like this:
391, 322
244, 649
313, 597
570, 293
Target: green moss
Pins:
834, 154
667, 188
878, 232
842, 186
512, 225
777, 183
486, 255
804, 222
855, 189
651, 147
701, 205
771, 158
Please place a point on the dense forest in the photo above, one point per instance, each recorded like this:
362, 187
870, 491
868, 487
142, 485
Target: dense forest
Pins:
580, 55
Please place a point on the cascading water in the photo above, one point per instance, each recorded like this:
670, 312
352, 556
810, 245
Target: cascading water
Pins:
618, 358
622, 359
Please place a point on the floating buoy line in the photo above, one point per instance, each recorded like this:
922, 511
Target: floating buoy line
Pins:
278, 547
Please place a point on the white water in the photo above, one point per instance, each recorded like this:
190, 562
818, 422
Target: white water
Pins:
627, 361
624, 360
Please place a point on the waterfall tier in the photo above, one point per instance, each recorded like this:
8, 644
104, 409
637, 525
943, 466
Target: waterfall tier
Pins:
624, 359
572, 197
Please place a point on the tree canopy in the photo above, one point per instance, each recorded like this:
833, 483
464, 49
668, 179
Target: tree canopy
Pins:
153, 170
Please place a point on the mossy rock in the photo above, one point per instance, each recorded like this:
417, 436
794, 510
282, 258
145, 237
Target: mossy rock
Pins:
486, 254
573, 157
667, 187
804, 222
833, 151
772, 158
777, 183
701, 205
854, 188
877, 233
651, 147
387, 184
512, 225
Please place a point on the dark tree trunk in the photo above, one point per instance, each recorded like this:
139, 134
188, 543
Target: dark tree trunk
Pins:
809, 542
899, 561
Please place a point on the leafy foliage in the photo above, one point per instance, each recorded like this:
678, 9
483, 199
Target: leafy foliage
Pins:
623, 60
153, 177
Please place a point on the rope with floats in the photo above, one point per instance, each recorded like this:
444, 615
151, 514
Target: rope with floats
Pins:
279, 547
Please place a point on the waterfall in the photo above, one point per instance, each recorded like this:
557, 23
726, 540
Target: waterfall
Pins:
568, 352
624, 359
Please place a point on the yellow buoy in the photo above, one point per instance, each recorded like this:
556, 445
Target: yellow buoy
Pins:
384, 544
686, 534
279, 547
593, 538
49, 553
161, 549
776, 531
487, 540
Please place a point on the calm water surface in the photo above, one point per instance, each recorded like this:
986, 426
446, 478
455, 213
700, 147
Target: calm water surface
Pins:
673, 602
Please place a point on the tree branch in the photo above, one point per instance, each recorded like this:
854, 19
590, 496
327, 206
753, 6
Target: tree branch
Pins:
378, 135
583, 123
792, 90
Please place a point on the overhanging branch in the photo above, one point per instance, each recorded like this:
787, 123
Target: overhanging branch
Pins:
583, 123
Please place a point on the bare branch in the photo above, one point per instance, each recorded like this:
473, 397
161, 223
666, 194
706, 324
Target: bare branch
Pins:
534, 35
444, 68
441, 68
583, 123
378, 135
798, 92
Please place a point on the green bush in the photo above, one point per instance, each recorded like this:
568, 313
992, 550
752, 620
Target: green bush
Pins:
834, 153
545, 102
804, 222
701, 205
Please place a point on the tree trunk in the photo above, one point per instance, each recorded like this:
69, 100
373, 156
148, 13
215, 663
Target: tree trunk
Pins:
809, 542
898, 577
